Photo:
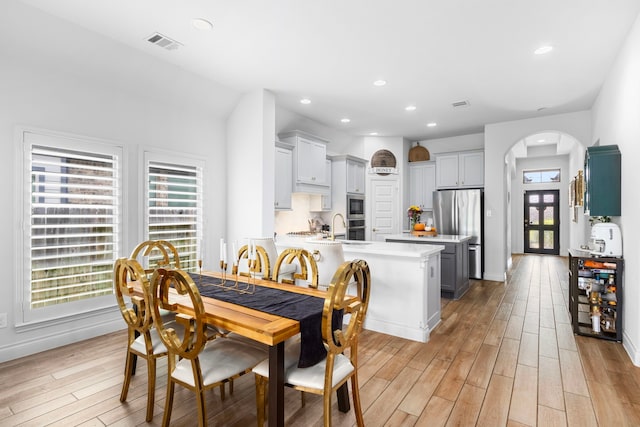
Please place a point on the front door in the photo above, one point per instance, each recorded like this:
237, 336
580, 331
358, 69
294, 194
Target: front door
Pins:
384, 215
542, 222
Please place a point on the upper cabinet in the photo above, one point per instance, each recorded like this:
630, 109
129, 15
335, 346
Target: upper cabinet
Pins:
309, 161
602, 179
355, 176
422, 184
348, 174
460, 170
283, 176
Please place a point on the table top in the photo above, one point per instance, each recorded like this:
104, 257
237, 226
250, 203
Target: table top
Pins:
263, 327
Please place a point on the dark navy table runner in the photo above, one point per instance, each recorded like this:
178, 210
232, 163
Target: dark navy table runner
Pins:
304, 308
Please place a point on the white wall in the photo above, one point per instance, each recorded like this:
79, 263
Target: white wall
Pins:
616, 115
499, 138
250, 168
38, 90
517, 198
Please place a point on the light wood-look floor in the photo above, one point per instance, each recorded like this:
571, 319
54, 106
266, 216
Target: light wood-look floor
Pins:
504, 355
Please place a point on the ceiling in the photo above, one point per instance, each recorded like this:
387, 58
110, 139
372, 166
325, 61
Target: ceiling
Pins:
431, 54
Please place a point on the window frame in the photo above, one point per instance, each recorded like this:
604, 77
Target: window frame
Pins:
27, 137
150, 156
541, 171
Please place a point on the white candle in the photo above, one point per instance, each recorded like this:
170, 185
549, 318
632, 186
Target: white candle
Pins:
252, 250
221, 248
234, 252
224, 253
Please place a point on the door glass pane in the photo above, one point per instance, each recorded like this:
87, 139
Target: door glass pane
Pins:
534, 198
534, 241
533, 216
548, 239
548, 198
548, 215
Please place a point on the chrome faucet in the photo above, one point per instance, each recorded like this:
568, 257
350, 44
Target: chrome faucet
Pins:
333, 225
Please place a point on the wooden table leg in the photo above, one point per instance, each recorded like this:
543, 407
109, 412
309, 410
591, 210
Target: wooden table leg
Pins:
342, 395
276, 385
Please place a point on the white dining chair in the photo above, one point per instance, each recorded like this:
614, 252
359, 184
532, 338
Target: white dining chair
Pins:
267, 257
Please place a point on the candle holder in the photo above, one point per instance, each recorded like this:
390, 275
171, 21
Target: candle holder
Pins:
223, 268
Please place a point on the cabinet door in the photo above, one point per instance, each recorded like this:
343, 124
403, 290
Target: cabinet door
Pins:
471, 169
447, 170
283, 178
422, 184
355, 177
326, 198
311, 157
448, 272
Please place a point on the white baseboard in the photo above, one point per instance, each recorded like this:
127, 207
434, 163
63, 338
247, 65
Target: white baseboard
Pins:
496, 277
402, 331
631, 349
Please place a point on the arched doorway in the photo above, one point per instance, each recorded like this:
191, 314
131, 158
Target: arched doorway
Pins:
540, 168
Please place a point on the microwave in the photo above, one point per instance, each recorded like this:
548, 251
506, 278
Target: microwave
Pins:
355, 206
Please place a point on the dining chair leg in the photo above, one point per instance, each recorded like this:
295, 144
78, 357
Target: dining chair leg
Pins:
151, 387
202, 412
326, 399
127, 376
357, 407
260, 399
168, 404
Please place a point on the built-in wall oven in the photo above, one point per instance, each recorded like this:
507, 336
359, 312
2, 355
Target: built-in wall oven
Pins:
355, 206
355, 229
355, 217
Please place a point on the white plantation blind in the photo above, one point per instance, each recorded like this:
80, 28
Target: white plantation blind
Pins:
174, 208
74, 222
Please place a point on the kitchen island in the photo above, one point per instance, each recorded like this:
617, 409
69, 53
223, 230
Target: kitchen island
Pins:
405, 285
454, 262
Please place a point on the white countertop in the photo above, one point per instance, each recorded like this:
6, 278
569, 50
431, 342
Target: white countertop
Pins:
369, 247
440, 238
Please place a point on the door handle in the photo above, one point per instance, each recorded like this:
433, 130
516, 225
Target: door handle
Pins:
373, 229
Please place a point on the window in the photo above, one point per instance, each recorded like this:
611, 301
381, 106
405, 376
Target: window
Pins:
71, 206
541, 176
174, 205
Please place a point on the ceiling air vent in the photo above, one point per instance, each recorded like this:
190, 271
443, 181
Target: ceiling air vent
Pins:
460, 104
163, 41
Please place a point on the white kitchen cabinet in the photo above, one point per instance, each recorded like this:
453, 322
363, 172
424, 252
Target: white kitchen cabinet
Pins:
460, 170
309, 162
283, 177
355, 176
422, 184
323, 201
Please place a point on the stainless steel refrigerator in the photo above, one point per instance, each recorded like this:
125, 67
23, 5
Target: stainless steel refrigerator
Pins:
460, 212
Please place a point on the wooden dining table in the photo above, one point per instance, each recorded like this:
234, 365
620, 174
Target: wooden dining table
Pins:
269, 329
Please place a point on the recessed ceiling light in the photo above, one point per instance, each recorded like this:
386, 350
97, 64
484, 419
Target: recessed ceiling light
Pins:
373, 133
380, 83
543, 49
432, 124
202, 24
541, 140
410, 108
305, 101
345, 120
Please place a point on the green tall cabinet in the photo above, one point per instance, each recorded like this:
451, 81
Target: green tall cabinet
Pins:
602, 181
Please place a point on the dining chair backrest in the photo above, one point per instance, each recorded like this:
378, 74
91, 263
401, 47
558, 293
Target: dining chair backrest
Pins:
189, 338
127, 275
158, 253
349, 275
306, 271
266, 256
